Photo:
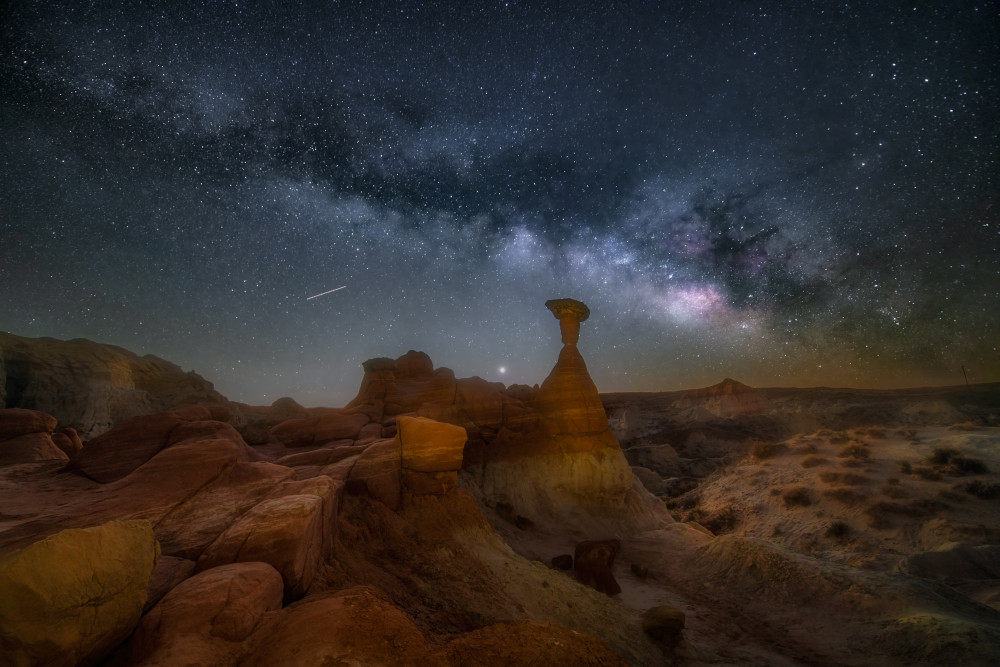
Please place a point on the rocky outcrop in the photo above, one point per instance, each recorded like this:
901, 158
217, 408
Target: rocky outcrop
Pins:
320, 430
26, 436
292, 533
205, 619
554, 458
91, 387
431, 454
72, 597
115, 453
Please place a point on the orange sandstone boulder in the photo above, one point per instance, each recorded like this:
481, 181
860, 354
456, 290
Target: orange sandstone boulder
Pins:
72, 597
430, 446
205, 619
351, 627
431, 454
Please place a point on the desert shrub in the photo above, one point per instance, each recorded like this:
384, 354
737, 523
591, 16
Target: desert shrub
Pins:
966, 465
948, 494
797, 496
838, 530
981, 489
766, 450
916, 509
893, 490
845, 495
875, 432
908, 434
812, 461
905, 466
892, 480
807, 448
839, 438
848, 478
957, 463
941, 456
929, 474
853, 463
854, 450
684, 502
721, 521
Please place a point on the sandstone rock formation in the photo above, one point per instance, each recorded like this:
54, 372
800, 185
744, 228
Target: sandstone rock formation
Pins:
115, 453
364, 534
291, 532
431, 454
555, 458
26, 436
205, 619
72, 597
89, 386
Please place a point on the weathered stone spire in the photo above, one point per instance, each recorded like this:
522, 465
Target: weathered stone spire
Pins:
568, 396
570, 313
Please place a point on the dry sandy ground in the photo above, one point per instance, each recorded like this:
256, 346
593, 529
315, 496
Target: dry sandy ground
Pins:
866, 497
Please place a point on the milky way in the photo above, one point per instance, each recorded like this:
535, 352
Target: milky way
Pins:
785, 193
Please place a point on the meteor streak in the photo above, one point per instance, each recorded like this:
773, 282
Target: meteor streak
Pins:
327, 292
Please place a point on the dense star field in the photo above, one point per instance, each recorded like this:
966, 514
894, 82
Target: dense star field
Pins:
785, 193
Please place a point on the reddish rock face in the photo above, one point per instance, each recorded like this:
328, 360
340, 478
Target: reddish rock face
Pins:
18, 421
68, 441
116, 453
202, 619
30, 447
286, 532
316, 431
378, 473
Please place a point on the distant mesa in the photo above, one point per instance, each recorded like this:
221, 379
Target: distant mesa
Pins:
89, 386
727, 399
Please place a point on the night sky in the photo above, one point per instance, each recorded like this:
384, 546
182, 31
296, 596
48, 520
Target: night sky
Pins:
787, 193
